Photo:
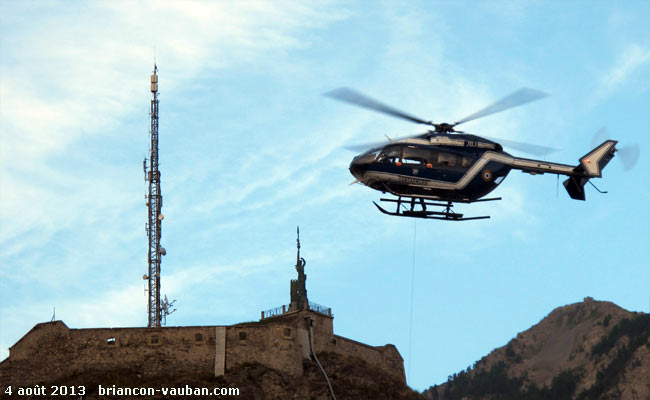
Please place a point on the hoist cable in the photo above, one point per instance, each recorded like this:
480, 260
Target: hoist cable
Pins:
412, 290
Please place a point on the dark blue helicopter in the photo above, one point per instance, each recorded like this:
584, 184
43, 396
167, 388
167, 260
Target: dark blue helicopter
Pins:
444, 166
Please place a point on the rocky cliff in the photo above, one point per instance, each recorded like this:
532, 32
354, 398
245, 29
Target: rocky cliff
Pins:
588, 350
351, 378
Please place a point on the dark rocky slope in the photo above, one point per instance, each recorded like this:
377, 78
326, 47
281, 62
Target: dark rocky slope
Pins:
351, 378
587, 350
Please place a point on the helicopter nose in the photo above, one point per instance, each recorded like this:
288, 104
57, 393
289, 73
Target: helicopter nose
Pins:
357, 169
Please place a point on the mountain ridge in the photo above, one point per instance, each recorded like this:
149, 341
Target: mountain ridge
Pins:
590, 349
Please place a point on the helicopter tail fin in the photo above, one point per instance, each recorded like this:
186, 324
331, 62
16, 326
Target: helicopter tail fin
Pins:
575, 186
591, 166
593, 163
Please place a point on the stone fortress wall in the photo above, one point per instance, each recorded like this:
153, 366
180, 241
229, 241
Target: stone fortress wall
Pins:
52, 351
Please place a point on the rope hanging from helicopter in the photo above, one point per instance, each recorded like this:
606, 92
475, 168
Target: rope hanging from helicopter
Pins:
412, 291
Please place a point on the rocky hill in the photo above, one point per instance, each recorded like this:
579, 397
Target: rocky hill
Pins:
351, 378
588, 350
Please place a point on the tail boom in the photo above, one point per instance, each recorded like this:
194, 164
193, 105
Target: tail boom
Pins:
591, 166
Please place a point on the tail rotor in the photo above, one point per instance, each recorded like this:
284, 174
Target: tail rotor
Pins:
629, 155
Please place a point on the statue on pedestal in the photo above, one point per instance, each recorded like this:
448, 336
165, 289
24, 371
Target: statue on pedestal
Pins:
298, 289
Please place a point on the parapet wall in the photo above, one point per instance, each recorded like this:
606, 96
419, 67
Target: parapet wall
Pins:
52, 351
385, 356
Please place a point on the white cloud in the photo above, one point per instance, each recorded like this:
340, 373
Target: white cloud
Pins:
70, 76
87, 71
631, 59
86, 75
121, 307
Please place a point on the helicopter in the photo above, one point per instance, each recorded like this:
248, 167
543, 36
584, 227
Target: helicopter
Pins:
444, 166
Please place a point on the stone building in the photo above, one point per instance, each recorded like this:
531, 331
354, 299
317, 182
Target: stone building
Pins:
280, 340
51, 350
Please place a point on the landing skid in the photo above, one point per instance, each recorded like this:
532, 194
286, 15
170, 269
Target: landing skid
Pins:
407, 207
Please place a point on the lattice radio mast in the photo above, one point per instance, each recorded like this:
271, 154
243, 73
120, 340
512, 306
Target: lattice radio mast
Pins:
157, 310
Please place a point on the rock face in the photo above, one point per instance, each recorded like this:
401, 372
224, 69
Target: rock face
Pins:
352, 378
588, 350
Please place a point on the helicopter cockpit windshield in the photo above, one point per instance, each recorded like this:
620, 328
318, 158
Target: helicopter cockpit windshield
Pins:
367, 157
390, 155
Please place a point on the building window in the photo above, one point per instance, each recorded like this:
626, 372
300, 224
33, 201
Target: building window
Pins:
242, 335
110, 341
198, 337
154, 339
287, 332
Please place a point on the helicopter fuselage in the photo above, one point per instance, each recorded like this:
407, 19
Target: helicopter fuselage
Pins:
449, 167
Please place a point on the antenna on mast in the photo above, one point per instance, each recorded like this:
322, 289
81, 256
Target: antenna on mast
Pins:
157, 310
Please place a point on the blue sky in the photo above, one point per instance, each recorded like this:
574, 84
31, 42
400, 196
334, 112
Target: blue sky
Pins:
250, 149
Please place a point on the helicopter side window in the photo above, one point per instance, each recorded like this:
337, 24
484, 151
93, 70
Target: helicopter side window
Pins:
446, 159
415, 156
467, 162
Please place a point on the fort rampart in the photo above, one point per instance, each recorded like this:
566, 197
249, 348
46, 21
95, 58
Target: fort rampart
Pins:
52, 351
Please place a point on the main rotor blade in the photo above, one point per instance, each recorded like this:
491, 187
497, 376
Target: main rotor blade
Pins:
521, 96
529, 148
353, 97
361, 147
